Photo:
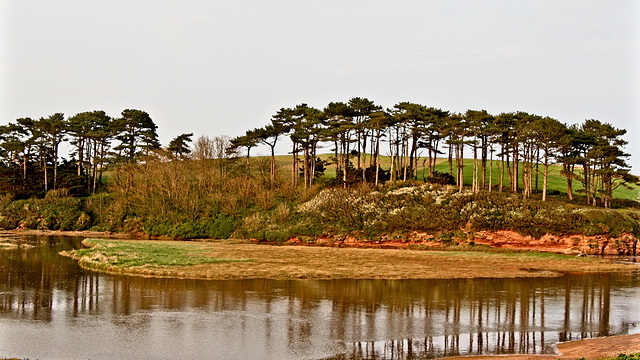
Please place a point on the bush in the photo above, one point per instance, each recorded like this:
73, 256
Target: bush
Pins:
57, 211
221, 228
441, 178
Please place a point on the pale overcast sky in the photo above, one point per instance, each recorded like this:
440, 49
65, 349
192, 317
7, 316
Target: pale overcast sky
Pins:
222, 67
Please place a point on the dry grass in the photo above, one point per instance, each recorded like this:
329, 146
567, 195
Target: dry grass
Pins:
301, 262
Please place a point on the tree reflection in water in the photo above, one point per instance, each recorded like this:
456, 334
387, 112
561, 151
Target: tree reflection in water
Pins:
347, 319
506, 316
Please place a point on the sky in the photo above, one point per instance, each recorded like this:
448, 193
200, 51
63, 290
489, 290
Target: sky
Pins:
223, 67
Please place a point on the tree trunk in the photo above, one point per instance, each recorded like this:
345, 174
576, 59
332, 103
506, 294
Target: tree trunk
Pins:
88, 165
491, 170
95, 176
338, 160
450, 159
313, 163
406, 161
345, 163
305, 167
516, 174
430, 161
483, 162
377, 158
537, 166
364, 157
102, 154
546, 174
460, 166
55, 166
413, 156
359, 147
509, 172
273, 166
248, 161
587, 182
392, 169
474, 183
80, 155
372, 159
525, 172
294, 158
502, 172
24, 166
44, 162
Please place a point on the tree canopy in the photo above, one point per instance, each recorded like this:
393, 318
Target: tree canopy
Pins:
354, 131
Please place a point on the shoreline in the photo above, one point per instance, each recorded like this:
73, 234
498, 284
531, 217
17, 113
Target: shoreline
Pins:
590, 349
237, 260
349, 259
498, 240
83, 233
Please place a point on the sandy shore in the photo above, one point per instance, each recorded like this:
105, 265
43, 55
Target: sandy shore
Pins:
591, 349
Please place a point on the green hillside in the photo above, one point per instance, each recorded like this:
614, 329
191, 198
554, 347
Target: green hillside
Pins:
557, 184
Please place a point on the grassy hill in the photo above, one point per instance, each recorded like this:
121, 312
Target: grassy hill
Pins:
193, 199
557, 184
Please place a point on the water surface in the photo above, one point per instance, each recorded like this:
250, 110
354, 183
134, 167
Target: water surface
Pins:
52, 309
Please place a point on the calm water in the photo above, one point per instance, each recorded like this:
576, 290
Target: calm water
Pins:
52, 309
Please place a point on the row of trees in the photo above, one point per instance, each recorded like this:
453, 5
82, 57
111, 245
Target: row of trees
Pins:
523, 143
32, 145
356, 132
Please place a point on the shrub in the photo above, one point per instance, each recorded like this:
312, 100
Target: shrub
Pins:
282, 212
441, 178
221, 228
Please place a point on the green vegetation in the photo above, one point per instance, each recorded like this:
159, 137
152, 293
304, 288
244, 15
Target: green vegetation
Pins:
57, 211
635, 356
188, 199
622, 357
443, 212
113, 255
410, 168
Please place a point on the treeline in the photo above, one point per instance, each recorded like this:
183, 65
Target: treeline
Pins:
591, 153
29, 150
205, 189
357, 133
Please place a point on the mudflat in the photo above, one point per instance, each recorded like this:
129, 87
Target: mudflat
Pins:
246, 260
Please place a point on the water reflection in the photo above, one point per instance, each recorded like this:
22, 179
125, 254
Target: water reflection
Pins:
507, 316
49, 308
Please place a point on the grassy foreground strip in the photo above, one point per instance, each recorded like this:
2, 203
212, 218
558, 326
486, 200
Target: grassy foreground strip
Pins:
144, 257
245, 260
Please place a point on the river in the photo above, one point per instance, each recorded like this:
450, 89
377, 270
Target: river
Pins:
52, 309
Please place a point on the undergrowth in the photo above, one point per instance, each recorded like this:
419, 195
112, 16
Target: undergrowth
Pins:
198, 207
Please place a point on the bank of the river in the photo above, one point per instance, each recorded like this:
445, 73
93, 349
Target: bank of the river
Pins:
607, 348
83, 233
247, 260
590, 349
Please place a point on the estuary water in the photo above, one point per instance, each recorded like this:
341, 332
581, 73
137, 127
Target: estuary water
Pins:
52, 309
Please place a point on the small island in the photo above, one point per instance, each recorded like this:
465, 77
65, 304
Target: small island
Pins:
234, 260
